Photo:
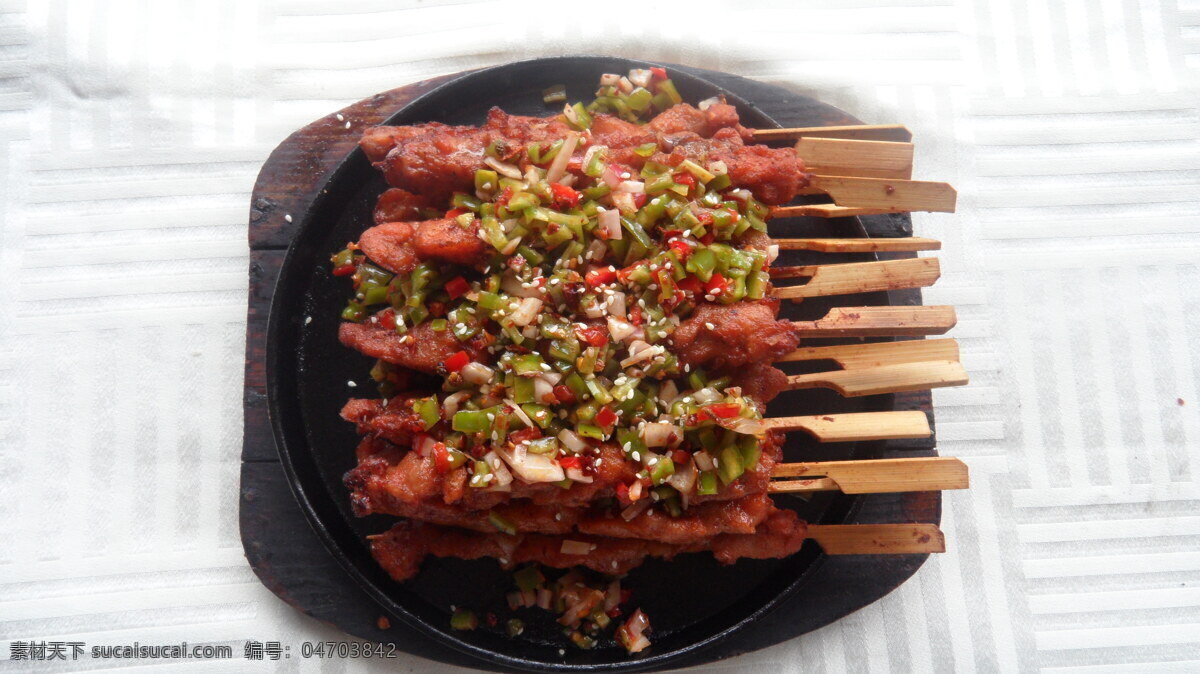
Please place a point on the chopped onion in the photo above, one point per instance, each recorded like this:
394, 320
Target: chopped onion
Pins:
511, 247
559, 166
553, 377
531, 468
527, 311
661, 434
668, 392
500, 474
684, 478
707, 395
532, 176
772, 253
568, 180
590, 152
576, 475
616, 304
708, 102
610, 224
519, 412
476, 373
637, 508
620, 328
741, 194
452, 401
624, 202
609, 79
744, 426
610, 176
572, 441
612, 596
596, 250
543, 391
635, 491
703, 460
642, 355
717, 168
595, 309
570, 547
506, 170
640, 77
631, 186
544, 597
624, 85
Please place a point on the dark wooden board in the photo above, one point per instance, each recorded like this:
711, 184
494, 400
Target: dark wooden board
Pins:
288, 556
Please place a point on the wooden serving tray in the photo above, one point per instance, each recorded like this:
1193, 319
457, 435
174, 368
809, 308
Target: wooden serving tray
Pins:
292, 562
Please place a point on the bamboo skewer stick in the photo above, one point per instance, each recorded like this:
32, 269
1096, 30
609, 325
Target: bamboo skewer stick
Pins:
880, 476
856, 427
896, 378
885, 132
851, 356
899, 244
887, 194
878, 539
861, 277
863, 158
825, 211
886, 321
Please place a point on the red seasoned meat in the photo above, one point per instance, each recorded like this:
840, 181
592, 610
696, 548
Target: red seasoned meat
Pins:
396, 205
422, 348
742, 333
400, 246
773, 175
684, 118
402, 549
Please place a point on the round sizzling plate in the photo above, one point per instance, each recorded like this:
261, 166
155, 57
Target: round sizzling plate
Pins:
692, 601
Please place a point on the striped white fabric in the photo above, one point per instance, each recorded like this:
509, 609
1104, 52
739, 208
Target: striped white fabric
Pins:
131, 133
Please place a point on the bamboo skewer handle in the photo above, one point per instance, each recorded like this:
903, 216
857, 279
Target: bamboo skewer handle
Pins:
878, 539
862, 277
884, 378
881, 476
855, 427
889, 132
887, 194
880, 321
863, 158
825, 211
851, 356
900, 244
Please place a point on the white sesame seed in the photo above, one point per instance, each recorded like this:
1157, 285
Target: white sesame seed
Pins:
342, 118
347, 124
288, 217
307, 320
351, 383
710, 326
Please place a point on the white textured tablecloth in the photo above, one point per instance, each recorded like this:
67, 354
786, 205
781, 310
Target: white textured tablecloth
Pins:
130, 136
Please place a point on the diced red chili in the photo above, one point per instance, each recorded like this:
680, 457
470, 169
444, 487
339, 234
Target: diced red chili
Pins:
681, 248
344, 270
639, 199
564, 394
716, 285
564, 196
524, 434
570, 462
455, 212
684, 178
623, 494
457, 287
656, 74
594, 335
680, 456
441, 459
601, 276
606, 417
635, 315
724, 410
691, 284
437, 309
457, 362
387, 318
708, 238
